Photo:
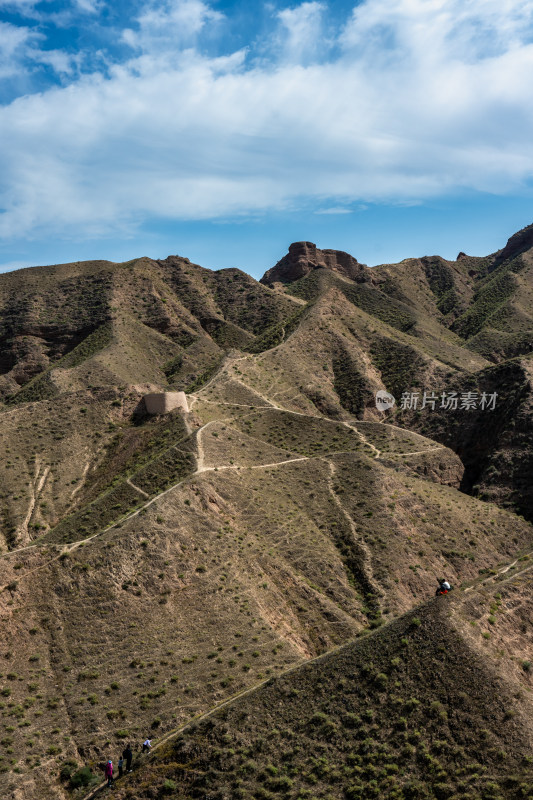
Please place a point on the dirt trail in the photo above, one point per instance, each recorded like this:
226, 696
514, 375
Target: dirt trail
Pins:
227, 362
200, 468
420, 452
271, 404
275, 407
257, 466
36, 487
200, 452
224, 403
82, 481
503, 571
366, 564
137, 489
365, 440
207, 714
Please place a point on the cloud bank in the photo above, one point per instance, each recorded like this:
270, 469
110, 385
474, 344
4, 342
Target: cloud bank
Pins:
400, 101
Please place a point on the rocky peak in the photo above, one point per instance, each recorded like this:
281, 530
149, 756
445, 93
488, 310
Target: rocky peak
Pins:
518, 243
303, 257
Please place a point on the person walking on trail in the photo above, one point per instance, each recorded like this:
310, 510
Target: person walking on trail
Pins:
109, 773
120, 766
147, 744
128, 755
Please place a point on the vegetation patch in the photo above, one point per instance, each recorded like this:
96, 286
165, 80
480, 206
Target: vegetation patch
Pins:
368, 721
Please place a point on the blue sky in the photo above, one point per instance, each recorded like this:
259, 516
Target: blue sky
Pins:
223, 131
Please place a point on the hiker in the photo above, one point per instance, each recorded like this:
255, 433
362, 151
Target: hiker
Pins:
109, 773
444, 587
147, 744
120, 766
128, 755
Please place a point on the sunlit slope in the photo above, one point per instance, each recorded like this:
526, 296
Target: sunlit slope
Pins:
335, 359
416, 709
291, 536
140, 321
152, 567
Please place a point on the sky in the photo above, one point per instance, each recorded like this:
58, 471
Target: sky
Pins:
225, 130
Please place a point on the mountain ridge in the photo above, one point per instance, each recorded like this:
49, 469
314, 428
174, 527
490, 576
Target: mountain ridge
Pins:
151, 567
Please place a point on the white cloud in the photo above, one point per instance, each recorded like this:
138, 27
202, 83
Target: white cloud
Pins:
20, 51
416, 105
61, 62
14, 43
18, 5
334, 210
88, 6
170, 24
434, 30
300, 39
25, 8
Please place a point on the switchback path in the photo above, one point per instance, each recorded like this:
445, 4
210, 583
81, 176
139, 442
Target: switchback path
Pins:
200, 469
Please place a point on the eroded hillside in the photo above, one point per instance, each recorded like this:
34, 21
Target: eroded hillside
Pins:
425, 707
153, 567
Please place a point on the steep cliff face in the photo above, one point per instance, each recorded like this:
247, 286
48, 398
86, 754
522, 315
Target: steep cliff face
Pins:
304, 257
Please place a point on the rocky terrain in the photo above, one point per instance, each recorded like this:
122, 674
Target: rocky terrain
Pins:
281, 539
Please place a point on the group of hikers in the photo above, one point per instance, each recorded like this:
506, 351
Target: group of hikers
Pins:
124, 761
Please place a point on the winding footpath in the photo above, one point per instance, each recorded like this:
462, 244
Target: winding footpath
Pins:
200, 468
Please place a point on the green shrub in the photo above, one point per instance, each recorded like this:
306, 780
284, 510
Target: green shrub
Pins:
83, 777
67, 769
411, 704
381, 680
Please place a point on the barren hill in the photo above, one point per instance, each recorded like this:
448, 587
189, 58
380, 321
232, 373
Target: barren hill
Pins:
422, 708
153, 567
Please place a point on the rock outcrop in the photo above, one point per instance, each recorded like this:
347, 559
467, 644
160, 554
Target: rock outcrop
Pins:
516, 245
303, 257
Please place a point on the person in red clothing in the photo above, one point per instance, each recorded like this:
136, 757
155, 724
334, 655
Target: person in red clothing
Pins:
109, 773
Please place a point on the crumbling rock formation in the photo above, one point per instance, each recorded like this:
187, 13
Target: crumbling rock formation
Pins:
303, 257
